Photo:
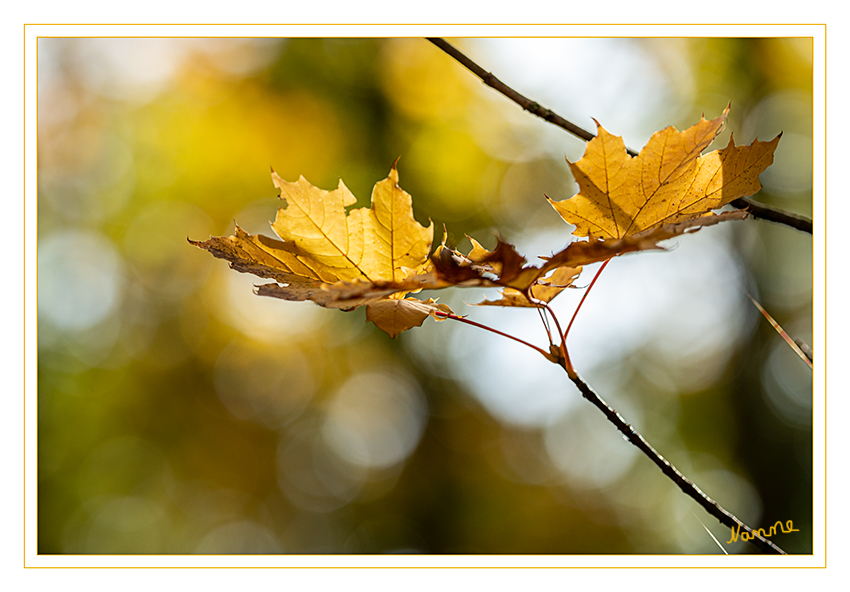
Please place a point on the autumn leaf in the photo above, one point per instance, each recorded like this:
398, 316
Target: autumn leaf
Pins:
523, 285
394, 315
342, 259
381, 244
625, 205
667, 182
542, 291
529, 285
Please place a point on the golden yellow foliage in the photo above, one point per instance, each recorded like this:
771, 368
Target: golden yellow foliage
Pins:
667, 182
345, 258
341, 259
381, 244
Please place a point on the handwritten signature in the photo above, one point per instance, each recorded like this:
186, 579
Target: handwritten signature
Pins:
748, 536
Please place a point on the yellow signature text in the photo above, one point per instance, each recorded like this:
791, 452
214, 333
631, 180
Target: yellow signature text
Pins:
748, 536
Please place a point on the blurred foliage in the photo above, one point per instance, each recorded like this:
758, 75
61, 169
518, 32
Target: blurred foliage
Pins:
179, 413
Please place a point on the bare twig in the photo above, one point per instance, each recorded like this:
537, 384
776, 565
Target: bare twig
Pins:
805, 356
755, 209
759, 210
490, 80
633, 436
714, 538
685, 484
804, 347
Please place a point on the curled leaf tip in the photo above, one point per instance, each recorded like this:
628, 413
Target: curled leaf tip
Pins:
393, 176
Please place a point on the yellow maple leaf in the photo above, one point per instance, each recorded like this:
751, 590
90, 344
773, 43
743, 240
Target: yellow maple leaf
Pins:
342, 259
346, 258
667, 182
383, 243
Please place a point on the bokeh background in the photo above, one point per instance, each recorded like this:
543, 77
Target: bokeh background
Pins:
180, 413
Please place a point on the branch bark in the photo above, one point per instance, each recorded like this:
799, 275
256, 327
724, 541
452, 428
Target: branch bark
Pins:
754, 208
685, 484
490, 80
760, 210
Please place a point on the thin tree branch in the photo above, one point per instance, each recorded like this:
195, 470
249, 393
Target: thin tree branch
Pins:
805, 356
760, 210
685, 484
755, 209
633, 436
804, 347
490, 80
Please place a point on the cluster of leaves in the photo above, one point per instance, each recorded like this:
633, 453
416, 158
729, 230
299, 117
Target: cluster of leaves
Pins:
376, 257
